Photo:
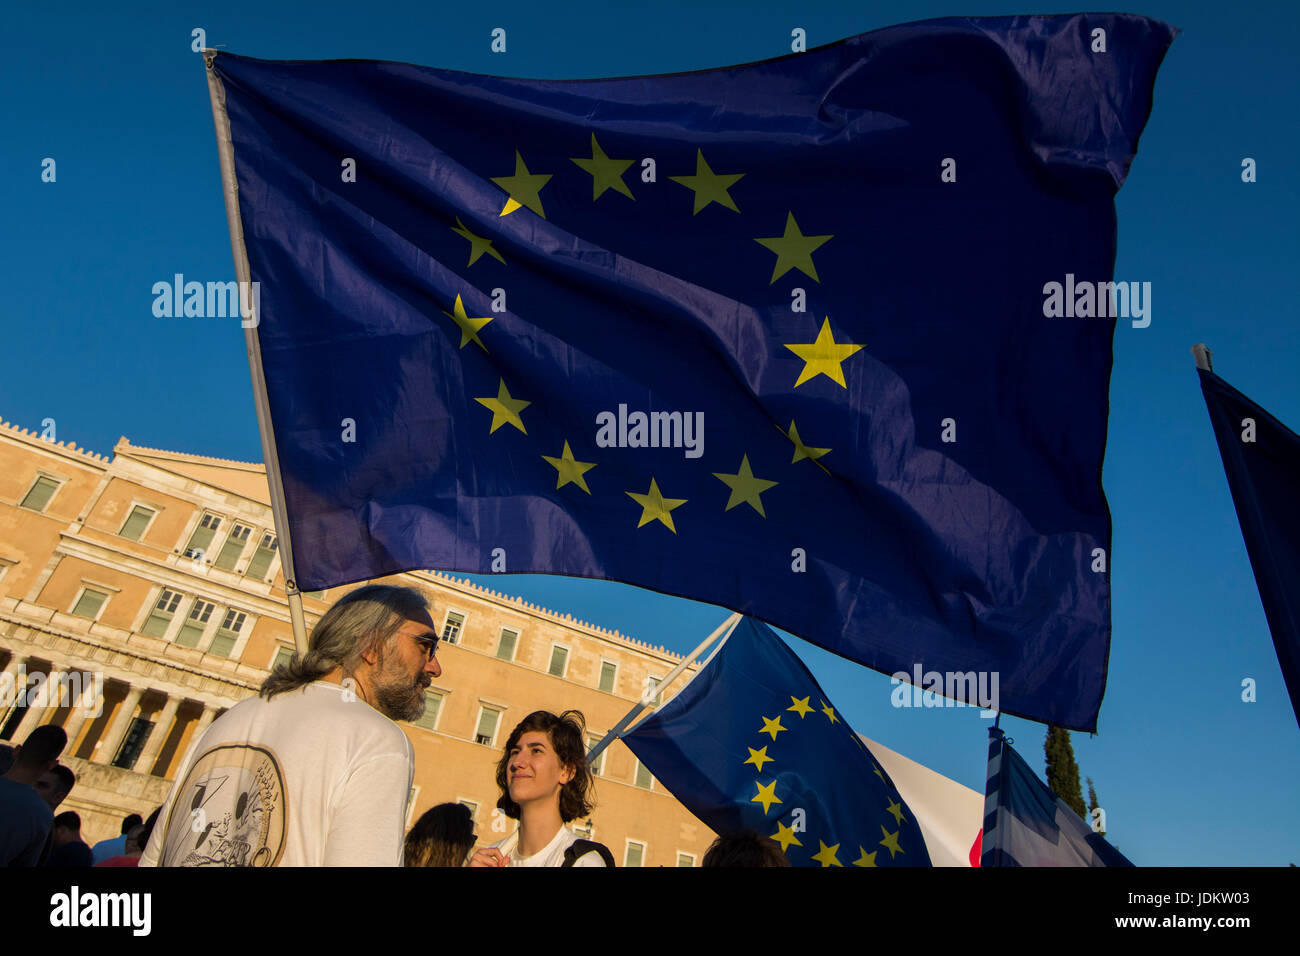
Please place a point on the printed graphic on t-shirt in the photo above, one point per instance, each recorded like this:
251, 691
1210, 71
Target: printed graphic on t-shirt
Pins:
229, 811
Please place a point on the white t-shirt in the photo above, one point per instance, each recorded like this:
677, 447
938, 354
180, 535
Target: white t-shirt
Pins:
308, 778
553, 853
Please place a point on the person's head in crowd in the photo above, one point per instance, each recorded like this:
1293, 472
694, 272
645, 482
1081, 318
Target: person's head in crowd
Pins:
129, 821
146, 828
443, 836
55, 785
135, 842
744, 848
67, 828
544, 769
6, 758
38, 754
383, 638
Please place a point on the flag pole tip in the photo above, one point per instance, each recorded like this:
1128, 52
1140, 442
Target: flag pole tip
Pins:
1204, 357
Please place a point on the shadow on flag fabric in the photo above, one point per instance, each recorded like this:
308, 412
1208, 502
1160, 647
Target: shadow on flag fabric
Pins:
777, 337
1262, 459
752, 742
1026, 825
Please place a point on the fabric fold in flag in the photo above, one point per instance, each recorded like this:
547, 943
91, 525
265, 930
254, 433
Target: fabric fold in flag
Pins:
1025, 824
774, 337
753, 742
1262, 459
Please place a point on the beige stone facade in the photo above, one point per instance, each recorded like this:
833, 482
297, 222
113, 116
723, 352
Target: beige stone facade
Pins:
150, 582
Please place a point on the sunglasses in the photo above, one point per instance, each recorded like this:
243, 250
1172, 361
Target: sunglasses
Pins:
429, 644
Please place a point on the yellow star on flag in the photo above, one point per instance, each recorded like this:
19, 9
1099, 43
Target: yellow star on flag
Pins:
829, 712
876, 771
745, 488
709, 186
826, 855
772, 726
569, 469
801, 707
758, 758
477, 244
505, 409
766, 796
606, 173
824, 356
793, 250
469, 328
897, 810
890, 842
655, 507
784, 835
522, 188
802, 451
866, 859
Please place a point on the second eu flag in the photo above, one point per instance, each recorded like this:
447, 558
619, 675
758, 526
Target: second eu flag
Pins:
778, 337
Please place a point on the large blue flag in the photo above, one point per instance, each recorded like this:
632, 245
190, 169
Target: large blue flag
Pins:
1262, 459
778, 337
1025, 824
753, 742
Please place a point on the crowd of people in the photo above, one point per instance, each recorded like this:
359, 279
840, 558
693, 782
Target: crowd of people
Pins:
314, 771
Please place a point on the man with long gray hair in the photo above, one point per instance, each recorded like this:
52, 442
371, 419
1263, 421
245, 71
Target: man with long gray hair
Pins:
312, 771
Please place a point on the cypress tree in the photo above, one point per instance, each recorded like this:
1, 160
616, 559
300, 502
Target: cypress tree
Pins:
1062, 771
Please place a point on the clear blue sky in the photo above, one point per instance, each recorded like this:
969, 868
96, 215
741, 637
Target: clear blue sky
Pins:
1188, 773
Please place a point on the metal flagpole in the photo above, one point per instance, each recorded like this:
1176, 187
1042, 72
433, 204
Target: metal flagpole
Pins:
230, 189
647, 700
1204, 357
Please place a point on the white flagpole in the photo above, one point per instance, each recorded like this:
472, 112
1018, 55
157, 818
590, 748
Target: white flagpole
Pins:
230, 189
647, 700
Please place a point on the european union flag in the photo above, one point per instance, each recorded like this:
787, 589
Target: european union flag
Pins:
753, 742
1262, 459
774, 337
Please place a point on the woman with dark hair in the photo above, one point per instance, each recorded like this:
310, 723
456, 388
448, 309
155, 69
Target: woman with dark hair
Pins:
545, 783
443, 836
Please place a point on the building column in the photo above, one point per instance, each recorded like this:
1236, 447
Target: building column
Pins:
207, 717
106, 749
10, 682
49, 693
158, 736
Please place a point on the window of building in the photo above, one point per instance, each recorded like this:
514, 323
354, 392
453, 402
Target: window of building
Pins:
314, 595
651, 683
685, 859
608, 672
642, 776
160, 618
89, 603
559, 660
282, 656
261, 557
634, 855
583, 829
599, 762
39, 494
486, 733
234, 547
473, 807
201, 539
228, 633
451, 629
133, 743
136, 522
196, 623
432, 708
506, 645
5, 566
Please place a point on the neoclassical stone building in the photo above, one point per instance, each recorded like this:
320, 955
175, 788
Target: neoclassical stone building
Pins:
146, 591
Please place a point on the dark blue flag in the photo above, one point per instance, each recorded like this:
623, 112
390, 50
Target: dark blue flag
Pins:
753, 742
778, 337
1025, 824
1262, 459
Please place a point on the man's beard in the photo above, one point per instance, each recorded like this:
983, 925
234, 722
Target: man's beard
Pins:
396, 696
